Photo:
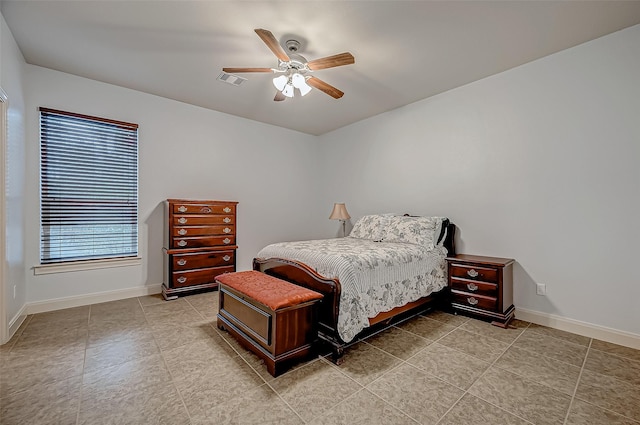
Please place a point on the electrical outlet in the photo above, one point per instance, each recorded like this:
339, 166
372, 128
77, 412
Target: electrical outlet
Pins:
541, 289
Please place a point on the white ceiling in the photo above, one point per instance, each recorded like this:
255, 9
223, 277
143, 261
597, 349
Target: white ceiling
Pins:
405, 50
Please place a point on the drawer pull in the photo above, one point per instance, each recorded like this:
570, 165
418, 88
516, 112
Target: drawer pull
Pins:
227, 209
227, 230
226, 258
182, 208
472, 273
226, 240
182, 220
182, 279
182, 242
227, 220
182, 262
472, 286
472, 301
205, 210
182, 232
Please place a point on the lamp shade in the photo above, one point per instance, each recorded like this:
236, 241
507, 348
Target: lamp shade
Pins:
339, 212
280, 82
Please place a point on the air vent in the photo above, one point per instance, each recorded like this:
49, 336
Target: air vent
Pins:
231, 79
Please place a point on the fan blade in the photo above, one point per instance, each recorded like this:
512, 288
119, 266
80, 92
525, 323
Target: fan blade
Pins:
272, 44
327, 88
279, 96
241, 70
331, 61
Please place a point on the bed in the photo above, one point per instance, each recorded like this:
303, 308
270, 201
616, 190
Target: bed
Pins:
389, 269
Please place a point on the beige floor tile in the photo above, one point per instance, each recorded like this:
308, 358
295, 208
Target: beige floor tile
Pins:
117, 381
364, 363
516, 327
181, 317
481, 347
204, 390
59, 342
553, 373
119, 352
314, 389
522, 397
19, 374
53, 403
258, 406
450, 365
399, 343
157, 404
427, 328
198, 356
610, 393
418, 394
562, 335
171, 336
152, 299
551, 347
618, 350
363, 408
622, 368
448, 318
115, 331
471, 410
582, 413
75, 316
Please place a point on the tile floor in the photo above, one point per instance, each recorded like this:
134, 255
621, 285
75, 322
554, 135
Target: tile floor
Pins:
148, 361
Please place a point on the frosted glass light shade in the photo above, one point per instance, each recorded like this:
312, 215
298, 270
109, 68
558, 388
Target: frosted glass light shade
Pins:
288, 90
300, 83
280, 82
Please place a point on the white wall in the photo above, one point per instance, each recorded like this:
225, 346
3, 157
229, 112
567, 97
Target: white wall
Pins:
539, 163
11, 80
184, 152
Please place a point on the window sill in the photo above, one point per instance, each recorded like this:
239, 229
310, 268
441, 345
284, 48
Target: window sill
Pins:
75, 266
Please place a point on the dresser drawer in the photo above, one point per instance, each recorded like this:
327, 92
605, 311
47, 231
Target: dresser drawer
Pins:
475, 300
202, 260
474, 287
193, 208
198, 277
484, 274
203, 230
203, 241
202, 220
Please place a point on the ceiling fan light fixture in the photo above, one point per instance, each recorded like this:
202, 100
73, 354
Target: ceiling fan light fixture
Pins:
288, 90
304, 88
280, 81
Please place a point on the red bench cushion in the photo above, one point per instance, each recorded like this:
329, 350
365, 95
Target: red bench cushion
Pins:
273, 292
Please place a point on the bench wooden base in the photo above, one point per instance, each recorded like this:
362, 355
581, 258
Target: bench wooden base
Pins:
279, 337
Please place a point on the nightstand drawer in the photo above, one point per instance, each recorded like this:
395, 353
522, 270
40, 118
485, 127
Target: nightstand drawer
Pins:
474, 287
484, 274
475, 300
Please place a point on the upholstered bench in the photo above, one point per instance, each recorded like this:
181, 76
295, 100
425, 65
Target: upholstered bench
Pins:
273, 318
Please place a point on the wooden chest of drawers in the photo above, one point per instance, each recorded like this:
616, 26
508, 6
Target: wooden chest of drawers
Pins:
482, 286
199, 244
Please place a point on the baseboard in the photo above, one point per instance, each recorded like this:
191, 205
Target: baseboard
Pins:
17, 321
100, 297
590, 330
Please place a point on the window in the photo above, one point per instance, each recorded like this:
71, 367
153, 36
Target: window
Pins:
88, 187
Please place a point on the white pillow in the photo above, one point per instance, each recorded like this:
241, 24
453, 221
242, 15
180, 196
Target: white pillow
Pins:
370, 227
423, 231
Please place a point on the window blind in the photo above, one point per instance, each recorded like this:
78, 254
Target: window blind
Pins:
88, 187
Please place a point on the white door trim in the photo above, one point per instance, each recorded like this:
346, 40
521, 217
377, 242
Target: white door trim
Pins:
4, 321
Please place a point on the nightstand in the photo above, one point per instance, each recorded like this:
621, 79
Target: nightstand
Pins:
482, 286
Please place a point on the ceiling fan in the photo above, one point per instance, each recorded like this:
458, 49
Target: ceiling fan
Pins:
294, 69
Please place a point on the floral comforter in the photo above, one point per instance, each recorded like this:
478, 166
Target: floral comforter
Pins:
375, 276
